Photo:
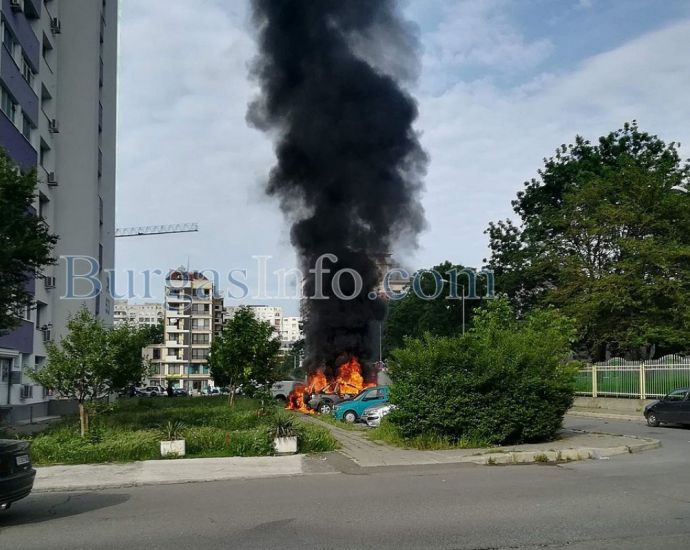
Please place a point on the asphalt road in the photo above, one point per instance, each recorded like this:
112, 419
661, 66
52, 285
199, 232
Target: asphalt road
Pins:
628, 502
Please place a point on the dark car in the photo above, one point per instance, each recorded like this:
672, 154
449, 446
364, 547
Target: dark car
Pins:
674, 409
16, 474
180, 392
325, 400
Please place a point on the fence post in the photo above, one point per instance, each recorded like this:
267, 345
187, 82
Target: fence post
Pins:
594, 381
643, 389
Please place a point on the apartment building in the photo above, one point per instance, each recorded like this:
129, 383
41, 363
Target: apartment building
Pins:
58, 64
137, 315
291, 331
193, 315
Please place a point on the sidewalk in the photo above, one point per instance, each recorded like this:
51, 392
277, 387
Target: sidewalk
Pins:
164, 472
573, 445
604, 413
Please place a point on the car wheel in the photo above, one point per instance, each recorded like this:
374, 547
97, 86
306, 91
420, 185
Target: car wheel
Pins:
652, 420
350, 417
325, 407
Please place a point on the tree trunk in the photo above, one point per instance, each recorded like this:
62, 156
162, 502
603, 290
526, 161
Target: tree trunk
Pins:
83, 419
231, 397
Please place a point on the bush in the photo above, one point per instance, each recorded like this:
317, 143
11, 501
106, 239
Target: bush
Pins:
504, 382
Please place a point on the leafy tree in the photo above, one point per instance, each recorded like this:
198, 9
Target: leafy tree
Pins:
81, 366
414, 316
25, 241
603, 237
246, 351
504, 382
126, 344
290, 364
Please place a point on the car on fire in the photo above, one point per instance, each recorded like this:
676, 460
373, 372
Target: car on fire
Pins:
352, 410
325, 400
16, 474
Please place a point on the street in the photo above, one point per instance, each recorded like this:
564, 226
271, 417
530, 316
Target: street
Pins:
635, 501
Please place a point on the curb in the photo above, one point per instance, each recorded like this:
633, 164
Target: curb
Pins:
610, 416
564, 455
133, 484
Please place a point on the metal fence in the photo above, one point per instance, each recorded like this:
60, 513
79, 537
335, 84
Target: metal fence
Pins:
640, 379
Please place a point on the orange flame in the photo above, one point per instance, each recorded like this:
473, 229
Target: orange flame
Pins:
348, 381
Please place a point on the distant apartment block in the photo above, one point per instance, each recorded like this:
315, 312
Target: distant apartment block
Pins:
137, 315
287, 329
58, 68
192, 316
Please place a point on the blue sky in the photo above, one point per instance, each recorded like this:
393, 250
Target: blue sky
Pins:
502, 84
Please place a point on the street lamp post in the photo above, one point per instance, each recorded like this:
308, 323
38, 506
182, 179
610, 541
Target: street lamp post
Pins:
463, 301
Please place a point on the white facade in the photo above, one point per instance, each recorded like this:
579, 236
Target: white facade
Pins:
287, 329
192, 317
66, 54
292, 330
137, 315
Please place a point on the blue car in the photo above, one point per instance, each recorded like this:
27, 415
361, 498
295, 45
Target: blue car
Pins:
351, 410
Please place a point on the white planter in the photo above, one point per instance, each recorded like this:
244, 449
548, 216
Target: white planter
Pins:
285, 445
173, 448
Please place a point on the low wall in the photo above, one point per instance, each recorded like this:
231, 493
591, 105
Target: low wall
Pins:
621, 405
23, 413
62, 407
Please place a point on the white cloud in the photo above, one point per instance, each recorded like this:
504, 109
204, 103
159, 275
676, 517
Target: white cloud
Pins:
485, 141
187, 154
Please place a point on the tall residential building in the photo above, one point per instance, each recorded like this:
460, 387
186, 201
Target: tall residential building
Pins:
291, 331
193, 315
137, 315
58, 64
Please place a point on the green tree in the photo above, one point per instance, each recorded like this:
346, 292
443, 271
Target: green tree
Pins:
246, 351
504, 382
81, 366
126, 344
413, 316
25, 241
603, 238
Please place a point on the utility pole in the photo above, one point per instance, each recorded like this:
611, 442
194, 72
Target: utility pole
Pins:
463, 301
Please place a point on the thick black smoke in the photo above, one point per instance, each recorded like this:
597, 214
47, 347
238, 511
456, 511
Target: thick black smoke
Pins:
349, 162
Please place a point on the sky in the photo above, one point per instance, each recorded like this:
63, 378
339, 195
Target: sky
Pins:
502, 84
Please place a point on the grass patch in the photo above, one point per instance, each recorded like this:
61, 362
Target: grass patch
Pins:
389, 433
132, 430
329, 419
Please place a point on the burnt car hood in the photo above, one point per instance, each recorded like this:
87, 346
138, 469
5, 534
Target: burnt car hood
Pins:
12, 446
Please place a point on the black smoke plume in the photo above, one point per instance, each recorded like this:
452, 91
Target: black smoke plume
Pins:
350, 166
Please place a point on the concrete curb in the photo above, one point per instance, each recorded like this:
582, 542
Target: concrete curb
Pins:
563, 455
96, 477
610, 416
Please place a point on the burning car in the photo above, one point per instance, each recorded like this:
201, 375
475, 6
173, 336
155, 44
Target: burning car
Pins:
325, 401
321, 392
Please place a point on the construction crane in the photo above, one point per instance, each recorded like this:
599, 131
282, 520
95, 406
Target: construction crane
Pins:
156, 230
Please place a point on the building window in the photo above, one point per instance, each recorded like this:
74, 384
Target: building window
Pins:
9, 41
200, 339
157, 353
200, 324
27, 72
9, 105
27, 127
200, 354
173, 369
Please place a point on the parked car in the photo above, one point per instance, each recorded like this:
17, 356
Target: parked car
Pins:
16, 474
351, 411
325, 400
152, 391
281, 389
373, 415
180, 392
674, 409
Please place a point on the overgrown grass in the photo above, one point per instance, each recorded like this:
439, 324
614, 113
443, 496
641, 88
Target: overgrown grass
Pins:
339, 423
389, 433
133, 428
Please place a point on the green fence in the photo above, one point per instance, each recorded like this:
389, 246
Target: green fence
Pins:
639, 379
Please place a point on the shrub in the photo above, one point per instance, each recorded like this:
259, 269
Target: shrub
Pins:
504, 382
